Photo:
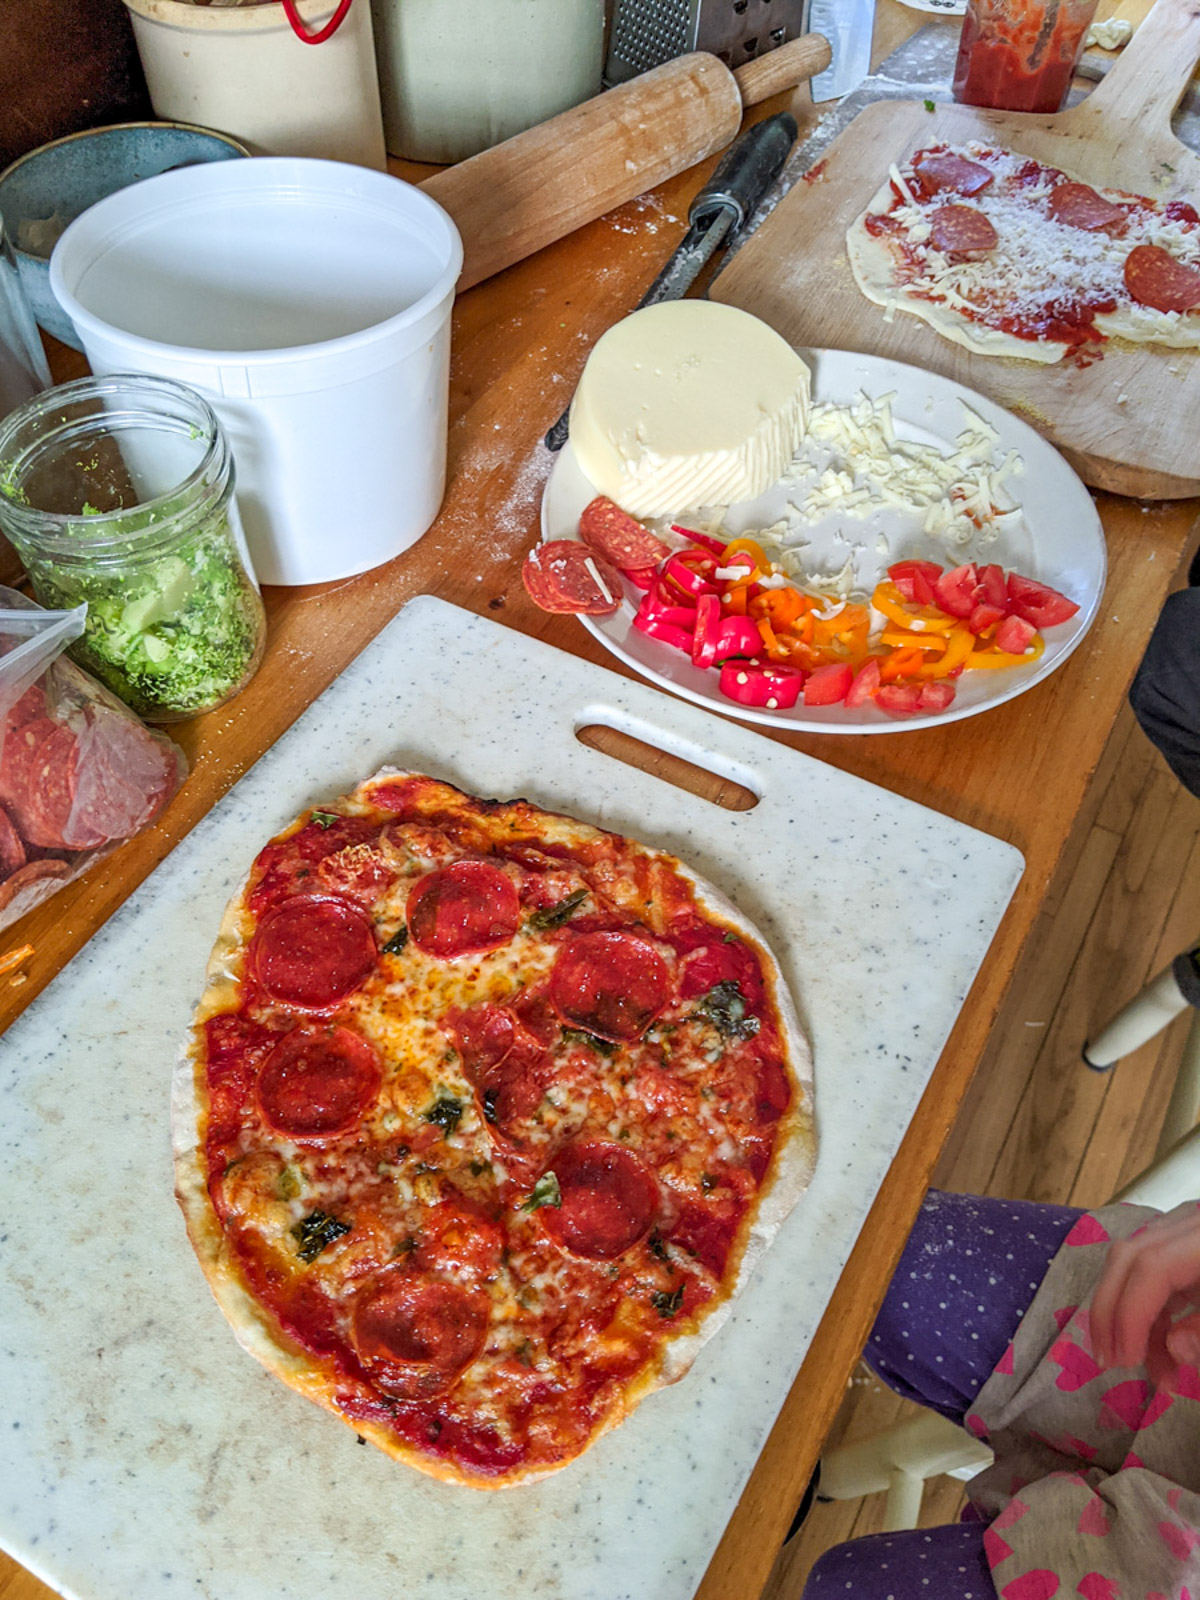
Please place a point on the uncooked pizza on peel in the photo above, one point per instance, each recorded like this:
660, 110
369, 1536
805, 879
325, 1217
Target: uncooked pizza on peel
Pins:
485, 1116
1010, 257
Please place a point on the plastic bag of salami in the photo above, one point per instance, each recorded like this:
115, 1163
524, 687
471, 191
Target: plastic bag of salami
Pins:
79, 772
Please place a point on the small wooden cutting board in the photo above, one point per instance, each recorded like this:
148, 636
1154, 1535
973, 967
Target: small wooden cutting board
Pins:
1129, 423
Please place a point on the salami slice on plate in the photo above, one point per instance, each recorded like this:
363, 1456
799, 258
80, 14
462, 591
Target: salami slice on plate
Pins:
564, 575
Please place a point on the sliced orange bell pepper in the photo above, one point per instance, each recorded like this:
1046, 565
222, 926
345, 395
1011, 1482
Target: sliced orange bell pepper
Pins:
902, 639
888, 599
960, 643
781, 607
903, 663
991, 658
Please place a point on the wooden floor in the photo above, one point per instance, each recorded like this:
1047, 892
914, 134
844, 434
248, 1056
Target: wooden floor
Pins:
1037, 1124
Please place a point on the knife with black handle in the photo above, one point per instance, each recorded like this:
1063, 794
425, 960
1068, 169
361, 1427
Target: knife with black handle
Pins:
739, 183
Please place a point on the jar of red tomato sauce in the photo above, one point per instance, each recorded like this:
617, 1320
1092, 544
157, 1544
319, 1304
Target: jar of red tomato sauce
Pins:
1020, 55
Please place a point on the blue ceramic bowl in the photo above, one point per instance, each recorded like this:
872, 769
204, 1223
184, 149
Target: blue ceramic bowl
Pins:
45, 190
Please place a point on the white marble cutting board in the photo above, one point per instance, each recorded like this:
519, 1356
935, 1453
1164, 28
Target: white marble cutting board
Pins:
144, 1455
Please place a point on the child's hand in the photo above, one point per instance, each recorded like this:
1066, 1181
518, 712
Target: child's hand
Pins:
1146, 1308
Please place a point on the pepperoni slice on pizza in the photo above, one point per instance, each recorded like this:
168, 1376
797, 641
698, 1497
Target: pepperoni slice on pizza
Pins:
484, 1118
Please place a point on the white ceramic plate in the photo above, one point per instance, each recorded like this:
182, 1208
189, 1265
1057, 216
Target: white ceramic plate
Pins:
1061, 542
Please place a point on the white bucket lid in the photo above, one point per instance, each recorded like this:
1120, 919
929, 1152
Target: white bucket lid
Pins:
295, 273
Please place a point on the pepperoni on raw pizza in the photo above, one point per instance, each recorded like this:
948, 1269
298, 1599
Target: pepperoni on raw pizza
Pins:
959, 230
565, 576
609, 984
1154, 278
312, 951
1081, 207
947, 171
618, 537
462, 909
317, 1082
416, 1334
609, 1200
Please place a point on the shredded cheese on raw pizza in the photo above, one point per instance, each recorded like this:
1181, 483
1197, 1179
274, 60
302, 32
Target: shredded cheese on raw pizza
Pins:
1046, 286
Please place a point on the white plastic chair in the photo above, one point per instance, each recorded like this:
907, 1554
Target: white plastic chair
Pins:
900, 1459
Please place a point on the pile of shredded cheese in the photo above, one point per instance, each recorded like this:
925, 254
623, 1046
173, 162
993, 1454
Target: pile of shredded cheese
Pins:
1038, 264
957, 496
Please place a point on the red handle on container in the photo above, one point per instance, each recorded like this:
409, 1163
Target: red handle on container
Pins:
330, 28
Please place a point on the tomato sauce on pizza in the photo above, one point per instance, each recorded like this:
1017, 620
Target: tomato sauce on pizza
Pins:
1009, 256
485, 1116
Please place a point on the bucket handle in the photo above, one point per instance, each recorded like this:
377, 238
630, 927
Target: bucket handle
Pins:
330, 28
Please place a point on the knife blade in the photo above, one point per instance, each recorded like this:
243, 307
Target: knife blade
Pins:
736, 188
849, 25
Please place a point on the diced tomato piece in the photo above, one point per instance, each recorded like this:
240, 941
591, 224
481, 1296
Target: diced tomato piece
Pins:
826, 686
753, 684
936, 695
866, 681
1013, 635
991, 589
1038, 602
899, 699
915, 580
983, 617
955, 591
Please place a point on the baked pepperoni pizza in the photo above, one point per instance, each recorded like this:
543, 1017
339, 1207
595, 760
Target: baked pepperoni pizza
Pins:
485, 1116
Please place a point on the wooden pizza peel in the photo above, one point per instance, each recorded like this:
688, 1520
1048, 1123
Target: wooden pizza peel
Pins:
1127, 423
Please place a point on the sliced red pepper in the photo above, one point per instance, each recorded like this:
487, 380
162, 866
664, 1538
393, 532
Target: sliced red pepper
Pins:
704, 639
665, 632
752, 683
705, 541
659, 606
736, 636
691, 572
641, 577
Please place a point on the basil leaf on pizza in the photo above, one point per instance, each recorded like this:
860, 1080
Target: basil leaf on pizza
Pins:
479, 1201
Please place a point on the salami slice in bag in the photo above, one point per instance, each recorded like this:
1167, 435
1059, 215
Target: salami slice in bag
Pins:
79, 772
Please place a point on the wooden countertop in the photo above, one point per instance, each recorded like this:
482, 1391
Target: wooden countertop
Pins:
1020, 771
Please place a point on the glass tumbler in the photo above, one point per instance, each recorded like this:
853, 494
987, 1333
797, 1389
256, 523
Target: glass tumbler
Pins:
1020, 55
118, 491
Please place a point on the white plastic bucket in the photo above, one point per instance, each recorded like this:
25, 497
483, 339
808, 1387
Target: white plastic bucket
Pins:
242, 70
310, 302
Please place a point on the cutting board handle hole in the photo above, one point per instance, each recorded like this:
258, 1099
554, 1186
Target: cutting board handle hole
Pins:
688, 775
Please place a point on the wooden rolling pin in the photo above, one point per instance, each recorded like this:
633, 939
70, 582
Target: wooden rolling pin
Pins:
521, 195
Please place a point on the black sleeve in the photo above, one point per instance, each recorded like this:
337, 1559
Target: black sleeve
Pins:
1166, 691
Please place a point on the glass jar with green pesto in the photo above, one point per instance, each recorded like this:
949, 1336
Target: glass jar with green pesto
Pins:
119, 491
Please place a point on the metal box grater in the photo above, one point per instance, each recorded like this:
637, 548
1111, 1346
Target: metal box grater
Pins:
645, 33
